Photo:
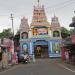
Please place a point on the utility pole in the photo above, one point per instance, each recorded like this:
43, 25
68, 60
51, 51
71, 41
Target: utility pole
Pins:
12, 33
12, 24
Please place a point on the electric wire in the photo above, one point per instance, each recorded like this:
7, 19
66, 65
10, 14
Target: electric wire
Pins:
60, 6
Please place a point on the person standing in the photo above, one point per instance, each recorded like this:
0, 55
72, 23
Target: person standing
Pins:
0, 57
67, 56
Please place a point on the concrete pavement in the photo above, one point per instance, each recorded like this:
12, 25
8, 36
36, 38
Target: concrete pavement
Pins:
41, 67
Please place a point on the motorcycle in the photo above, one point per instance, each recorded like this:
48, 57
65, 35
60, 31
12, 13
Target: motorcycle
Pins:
26, 59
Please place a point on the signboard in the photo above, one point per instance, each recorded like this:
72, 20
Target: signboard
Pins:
41, 36
42, 31
7, 42
73, 39
56, 48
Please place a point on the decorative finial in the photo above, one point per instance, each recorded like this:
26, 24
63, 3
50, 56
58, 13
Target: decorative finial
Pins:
38, 2
54, 12
74, 11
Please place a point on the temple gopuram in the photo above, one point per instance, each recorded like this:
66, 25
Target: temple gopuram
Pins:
41, 39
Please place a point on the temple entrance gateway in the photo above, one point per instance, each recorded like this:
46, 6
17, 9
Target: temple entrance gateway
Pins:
43, 39
41, 49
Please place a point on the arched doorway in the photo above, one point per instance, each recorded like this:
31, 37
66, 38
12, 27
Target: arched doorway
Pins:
56, 34
41, 49
24, 35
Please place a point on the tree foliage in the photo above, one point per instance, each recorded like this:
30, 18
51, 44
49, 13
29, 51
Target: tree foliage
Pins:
16, 39
6, 33
64, 32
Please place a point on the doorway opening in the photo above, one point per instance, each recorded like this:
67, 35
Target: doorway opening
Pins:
41, 51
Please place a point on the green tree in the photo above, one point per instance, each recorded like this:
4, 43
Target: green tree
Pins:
64, 32
16, 40
6, 33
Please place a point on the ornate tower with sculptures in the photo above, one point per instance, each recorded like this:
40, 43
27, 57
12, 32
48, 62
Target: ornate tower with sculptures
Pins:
24, 28
55, 27
41, 39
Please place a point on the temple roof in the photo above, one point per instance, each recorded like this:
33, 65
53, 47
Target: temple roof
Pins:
39, 17
73, 22
55, 25
24, 27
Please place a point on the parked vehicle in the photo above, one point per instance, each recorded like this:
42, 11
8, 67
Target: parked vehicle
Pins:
24, 57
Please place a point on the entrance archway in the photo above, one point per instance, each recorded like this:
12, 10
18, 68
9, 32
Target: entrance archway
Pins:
41, 49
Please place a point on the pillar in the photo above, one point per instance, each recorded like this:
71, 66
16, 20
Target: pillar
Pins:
30, 33
49, 32
31, 52
50, 48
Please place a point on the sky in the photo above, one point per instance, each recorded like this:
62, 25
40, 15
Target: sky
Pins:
63, 9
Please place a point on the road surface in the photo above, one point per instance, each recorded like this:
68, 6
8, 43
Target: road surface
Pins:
40, 67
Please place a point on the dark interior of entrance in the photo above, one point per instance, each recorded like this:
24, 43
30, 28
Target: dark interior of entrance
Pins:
41, 51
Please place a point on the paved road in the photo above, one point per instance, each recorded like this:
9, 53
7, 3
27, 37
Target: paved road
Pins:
41, 67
